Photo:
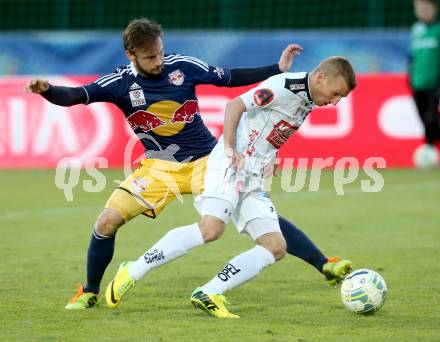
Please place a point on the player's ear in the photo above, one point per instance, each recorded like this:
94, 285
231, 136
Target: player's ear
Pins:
130, 55
325, 78
321, 76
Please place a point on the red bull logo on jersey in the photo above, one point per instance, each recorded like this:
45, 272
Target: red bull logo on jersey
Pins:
145, 121
176, 77
186, 112
165, 118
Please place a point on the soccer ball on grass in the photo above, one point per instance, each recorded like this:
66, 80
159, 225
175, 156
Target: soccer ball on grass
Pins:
364, 291
426, 156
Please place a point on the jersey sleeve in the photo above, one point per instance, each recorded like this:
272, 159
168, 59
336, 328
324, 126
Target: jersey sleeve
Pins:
106, 88
264, 95
203, 73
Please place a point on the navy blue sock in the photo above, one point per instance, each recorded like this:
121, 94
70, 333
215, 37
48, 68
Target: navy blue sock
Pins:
100, 254
299, 245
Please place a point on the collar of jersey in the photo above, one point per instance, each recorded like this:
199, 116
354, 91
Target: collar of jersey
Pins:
309, 96
136, 74
133, 69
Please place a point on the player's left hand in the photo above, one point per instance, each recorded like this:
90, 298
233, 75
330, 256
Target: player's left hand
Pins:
37, 86
288, 55
236, 160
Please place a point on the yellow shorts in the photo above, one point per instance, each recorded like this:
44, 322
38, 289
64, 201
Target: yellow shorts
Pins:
154, 184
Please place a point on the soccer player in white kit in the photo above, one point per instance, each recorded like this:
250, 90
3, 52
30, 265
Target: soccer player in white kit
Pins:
256, 125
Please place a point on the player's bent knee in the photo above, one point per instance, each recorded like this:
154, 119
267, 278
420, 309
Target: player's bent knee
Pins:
109, 222
211, 228
280, 251
274, 243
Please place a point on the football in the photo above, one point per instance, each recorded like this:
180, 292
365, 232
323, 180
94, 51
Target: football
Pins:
364, 291
426, 156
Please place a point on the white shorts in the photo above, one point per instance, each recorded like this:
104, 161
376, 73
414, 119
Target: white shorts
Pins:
256, 217
222, 198
223, 182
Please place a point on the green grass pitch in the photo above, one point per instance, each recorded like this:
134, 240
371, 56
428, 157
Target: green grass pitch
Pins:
396, 232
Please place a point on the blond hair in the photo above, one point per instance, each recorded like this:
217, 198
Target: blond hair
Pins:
338, 66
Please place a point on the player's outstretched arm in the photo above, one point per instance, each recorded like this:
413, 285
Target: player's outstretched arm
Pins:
62, 96
246, 76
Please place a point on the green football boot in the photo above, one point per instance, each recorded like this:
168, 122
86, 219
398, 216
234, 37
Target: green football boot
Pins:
119, 286
335, 270
82, 300
214, 305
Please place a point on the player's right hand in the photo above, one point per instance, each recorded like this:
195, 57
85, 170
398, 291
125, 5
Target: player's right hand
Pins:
37, 86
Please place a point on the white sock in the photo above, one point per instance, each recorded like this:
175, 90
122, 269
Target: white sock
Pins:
239, 270
172, 246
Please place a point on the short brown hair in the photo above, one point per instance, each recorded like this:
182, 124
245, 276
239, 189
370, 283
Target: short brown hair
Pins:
141, 34
338, 66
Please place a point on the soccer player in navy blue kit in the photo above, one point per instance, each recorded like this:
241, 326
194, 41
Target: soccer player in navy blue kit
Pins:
156, 93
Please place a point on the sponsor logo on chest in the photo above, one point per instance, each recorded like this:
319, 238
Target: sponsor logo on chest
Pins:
297, 86
137, 97
280, 133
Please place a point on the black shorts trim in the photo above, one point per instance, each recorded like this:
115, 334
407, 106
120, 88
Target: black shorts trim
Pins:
153, 215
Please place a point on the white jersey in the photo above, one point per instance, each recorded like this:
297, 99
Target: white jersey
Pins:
275, 109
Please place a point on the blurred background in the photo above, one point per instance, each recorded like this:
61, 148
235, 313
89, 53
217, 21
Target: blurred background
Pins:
74, 41
84, 36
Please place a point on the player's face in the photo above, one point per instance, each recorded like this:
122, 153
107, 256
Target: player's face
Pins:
149, 61
425, 11
328, 90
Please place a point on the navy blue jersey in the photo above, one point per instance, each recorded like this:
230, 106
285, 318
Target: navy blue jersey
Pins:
163, 111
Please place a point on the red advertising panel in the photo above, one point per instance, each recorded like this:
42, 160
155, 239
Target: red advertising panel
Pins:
377, 120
